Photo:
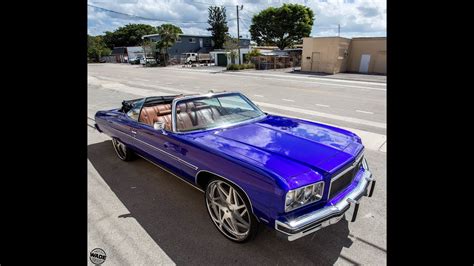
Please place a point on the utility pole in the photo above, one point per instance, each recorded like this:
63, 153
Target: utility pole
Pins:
338, 30
238, 31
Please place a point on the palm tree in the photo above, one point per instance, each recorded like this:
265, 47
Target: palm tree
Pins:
169, 34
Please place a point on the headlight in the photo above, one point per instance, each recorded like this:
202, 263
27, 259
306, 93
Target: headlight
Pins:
299, 197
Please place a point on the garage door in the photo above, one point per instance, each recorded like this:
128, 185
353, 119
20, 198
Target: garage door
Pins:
364, 63
221, 59
315, 59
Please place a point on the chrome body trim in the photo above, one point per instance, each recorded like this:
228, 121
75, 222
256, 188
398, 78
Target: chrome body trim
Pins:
356, 161
176, 100
192, 166
335, 212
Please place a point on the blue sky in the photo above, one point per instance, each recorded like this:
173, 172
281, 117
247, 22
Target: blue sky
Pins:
356, 17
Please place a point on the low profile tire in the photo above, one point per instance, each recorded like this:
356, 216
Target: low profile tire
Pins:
123, 152
230, 211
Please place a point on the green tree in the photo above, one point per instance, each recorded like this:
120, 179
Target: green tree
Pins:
231, 45
282, 26
169, 34
96, 48
128, 35
149, 49
217, 21
254, 52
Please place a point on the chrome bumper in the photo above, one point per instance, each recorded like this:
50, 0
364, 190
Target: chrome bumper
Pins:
312, 222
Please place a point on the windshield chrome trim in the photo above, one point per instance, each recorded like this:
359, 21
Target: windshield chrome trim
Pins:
209, 95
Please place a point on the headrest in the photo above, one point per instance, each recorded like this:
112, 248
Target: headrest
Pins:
186, 106
163, 112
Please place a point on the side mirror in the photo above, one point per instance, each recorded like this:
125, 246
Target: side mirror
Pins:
159, 125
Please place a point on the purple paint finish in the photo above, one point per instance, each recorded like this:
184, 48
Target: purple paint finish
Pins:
266, 158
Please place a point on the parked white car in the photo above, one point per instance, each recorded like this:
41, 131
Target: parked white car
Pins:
149, 60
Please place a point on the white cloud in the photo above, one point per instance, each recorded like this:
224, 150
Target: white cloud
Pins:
356, 17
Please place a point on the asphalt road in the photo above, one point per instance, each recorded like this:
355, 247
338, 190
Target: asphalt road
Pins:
140, 214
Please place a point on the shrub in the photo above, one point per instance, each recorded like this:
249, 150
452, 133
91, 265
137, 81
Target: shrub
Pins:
240, 67
249, 66
233, 67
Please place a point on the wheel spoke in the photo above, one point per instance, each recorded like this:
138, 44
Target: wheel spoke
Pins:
228, 210
241, 220
238, 207
222, 193
231, 222
236, 197
230, 195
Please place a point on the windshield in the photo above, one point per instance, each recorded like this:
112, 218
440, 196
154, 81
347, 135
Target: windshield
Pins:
134, 111
216, 111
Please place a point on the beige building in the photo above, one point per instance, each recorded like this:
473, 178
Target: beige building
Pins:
336, 54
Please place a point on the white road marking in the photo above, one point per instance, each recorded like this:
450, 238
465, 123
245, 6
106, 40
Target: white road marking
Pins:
288, 100
312, 80
383, 148
326, 115
329, 84
132, 90
322, 105
295, 76
364, 112
257, 95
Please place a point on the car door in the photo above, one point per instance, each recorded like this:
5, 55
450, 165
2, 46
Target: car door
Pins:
164, 148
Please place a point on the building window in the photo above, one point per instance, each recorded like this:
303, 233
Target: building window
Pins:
343, 53
192, 40
178, 40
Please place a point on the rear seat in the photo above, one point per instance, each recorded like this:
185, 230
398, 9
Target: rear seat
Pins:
150, 114
164, 115
188, 115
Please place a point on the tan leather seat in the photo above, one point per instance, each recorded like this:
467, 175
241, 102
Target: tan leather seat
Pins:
149, 114
205, 115
183, 117
164, 116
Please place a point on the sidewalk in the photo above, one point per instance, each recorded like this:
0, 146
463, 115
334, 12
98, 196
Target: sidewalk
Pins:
347, 76
344, 76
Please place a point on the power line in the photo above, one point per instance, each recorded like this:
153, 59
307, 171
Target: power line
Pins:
145, 18
209, 4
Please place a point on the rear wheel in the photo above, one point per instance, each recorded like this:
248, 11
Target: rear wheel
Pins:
230, 211
123, 152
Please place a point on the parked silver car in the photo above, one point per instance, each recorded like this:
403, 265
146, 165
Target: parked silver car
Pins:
148, 60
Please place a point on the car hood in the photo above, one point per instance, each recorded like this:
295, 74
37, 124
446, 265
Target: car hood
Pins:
288, 146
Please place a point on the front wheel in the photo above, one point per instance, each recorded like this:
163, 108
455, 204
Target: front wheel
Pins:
230, 211
123, 152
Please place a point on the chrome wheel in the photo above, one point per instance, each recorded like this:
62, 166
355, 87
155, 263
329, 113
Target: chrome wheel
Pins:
120, 149
228, 210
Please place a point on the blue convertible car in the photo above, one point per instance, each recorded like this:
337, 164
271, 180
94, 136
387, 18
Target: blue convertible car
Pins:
293, 175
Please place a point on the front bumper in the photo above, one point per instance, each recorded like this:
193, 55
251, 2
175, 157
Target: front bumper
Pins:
313, 221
